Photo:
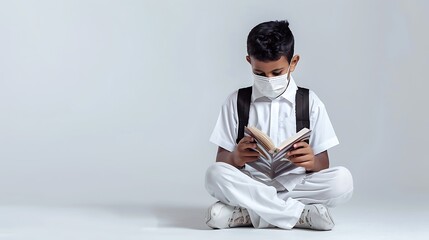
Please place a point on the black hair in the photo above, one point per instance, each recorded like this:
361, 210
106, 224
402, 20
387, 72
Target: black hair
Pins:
269, 41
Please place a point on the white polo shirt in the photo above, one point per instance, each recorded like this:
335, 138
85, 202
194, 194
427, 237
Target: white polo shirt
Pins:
276, 118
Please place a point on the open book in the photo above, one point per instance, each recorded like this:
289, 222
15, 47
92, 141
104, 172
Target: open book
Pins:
272, 161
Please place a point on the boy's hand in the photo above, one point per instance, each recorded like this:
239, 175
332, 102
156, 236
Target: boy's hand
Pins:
244, 151
302, 155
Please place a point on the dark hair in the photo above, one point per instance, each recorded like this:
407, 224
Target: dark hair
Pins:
269, 41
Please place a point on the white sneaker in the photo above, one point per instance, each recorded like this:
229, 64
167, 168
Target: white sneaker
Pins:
315, 216
220, 215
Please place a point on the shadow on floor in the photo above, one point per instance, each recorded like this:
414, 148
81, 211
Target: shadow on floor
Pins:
166, 216
182, 217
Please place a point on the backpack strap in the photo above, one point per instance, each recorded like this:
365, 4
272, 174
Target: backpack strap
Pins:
243, 107
302, 109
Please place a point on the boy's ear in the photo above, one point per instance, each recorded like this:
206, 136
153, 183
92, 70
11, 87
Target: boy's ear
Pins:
294, 62
248, 59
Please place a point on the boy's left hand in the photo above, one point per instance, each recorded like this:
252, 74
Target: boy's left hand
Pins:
302, 155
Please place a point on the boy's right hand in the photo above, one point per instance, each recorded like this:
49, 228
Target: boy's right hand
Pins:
244, 151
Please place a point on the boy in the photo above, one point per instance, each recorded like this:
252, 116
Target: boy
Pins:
298, 197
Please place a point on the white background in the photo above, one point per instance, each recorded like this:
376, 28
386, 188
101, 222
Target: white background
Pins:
111, 102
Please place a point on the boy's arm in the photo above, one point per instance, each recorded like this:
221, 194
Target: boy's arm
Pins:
321, 161
242, 153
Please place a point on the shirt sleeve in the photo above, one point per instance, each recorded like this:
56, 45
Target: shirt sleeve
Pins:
225, 131
323, 135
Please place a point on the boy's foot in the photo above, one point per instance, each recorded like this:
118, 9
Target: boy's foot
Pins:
315, 216
220, 215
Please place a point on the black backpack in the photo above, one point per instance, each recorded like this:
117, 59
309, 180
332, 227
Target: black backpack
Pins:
302, 109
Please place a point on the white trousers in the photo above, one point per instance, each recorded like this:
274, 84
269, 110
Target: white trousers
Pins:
269, 208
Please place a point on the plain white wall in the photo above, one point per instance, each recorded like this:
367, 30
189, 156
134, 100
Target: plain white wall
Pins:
114, 101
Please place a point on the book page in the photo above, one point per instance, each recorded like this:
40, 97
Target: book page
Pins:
261, 138
303, 134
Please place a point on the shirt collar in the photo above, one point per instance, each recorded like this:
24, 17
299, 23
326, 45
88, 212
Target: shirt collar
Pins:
289, 94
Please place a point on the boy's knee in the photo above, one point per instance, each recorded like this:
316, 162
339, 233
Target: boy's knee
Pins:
217, 172
342, 184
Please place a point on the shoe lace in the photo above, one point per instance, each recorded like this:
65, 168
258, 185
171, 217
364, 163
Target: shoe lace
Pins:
240, 216
305, 218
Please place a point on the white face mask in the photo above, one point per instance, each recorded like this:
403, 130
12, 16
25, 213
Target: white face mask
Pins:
272, 87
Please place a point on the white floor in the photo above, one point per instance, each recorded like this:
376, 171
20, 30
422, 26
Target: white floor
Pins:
353, 221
